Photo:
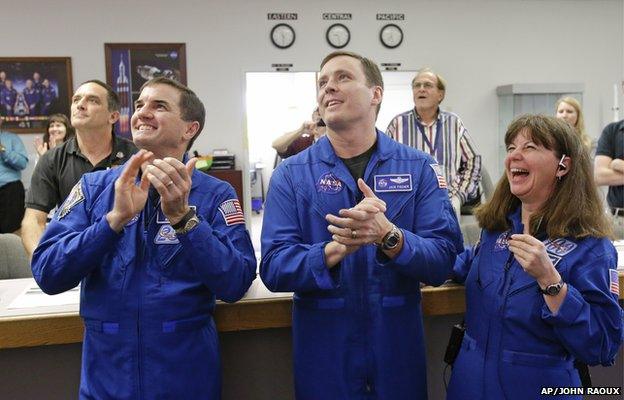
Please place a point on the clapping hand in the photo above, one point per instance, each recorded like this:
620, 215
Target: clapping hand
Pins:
172, 179
130, 198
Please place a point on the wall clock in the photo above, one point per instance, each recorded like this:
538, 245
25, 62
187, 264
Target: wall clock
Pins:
338, 36
282, 36
391, 36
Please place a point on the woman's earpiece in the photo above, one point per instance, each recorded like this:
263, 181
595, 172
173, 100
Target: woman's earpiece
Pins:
561, 166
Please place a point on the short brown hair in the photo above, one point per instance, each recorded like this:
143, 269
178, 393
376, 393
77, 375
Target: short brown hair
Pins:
112, 98
370, 68
191, 107
559, 215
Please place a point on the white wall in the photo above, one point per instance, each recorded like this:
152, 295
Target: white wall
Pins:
476, 45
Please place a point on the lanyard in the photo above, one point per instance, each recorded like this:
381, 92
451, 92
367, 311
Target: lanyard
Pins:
435, 149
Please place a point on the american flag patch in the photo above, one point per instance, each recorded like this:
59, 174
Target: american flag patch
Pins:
232, 212
439, 175
614, 282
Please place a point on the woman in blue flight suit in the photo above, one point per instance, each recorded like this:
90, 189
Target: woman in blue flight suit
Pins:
541, 286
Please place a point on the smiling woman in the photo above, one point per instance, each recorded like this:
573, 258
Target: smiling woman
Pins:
554, 304
569, 109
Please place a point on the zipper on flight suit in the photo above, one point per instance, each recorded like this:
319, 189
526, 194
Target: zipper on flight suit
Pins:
147, 222
507, 279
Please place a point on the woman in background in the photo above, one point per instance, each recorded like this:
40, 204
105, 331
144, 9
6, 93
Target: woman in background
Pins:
569, 110
541, 285
58, 130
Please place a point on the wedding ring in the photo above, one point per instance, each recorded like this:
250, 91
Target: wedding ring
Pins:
353, 234
169, 183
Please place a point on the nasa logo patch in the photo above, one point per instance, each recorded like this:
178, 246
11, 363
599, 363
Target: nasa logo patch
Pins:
329, 184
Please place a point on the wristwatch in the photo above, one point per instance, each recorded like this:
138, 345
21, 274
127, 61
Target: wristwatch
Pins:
187, 223
391, 239
551, 290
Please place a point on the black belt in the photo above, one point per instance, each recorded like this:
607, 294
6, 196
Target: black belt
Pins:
617, 211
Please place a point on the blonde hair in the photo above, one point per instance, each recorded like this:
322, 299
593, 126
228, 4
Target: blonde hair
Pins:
580, 121
559, 215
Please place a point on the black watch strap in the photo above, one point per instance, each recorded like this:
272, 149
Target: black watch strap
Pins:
182, 223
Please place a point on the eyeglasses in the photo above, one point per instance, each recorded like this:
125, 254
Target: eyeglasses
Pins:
426, 85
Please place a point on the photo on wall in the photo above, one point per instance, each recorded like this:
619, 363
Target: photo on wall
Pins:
33, 88
130, 65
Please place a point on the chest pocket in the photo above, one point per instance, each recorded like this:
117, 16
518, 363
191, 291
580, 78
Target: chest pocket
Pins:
488, 264
312, 208
523, 281
401, 207
167, 248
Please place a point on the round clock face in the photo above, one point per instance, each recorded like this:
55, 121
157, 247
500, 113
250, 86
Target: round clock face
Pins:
391, 36
282, 36
338, 36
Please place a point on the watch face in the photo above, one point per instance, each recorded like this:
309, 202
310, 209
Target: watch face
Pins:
338, 36
553, 290
392, 239
391, 36
282, 36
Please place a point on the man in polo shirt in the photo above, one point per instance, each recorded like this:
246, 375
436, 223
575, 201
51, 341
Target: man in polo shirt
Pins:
441, 134
94, 111
609, 171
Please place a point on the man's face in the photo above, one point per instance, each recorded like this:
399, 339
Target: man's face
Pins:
36, 76
2, 75
29, 83
426, 92
46, 83
8, 84
343, 95
89, 108
157, 123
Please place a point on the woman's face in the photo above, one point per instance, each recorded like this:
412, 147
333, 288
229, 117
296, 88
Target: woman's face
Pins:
567, 113
57, 131
531, 170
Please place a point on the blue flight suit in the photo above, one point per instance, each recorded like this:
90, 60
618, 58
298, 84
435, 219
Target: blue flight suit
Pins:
357, 327
32, 97
147, 296
48, 95
8, 100
514, 345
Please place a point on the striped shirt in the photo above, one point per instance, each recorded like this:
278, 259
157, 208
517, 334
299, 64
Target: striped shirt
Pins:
448, 141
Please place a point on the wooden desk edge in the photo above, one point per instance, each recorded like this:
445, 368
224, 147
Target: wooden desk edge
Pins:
64, 328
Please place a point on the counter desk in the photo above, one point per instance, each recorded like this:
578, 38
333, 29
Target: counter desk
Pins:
259, 309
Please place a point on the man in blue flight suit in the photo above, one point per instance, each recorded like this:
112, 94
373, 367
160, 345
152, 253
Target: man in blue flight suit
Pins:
152, 244
32, 97
9, 95
48, 95
37, 81
353, 225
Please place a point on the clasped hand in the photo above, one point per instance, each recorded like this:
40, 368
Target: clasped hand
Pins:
171, 179
363, 224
